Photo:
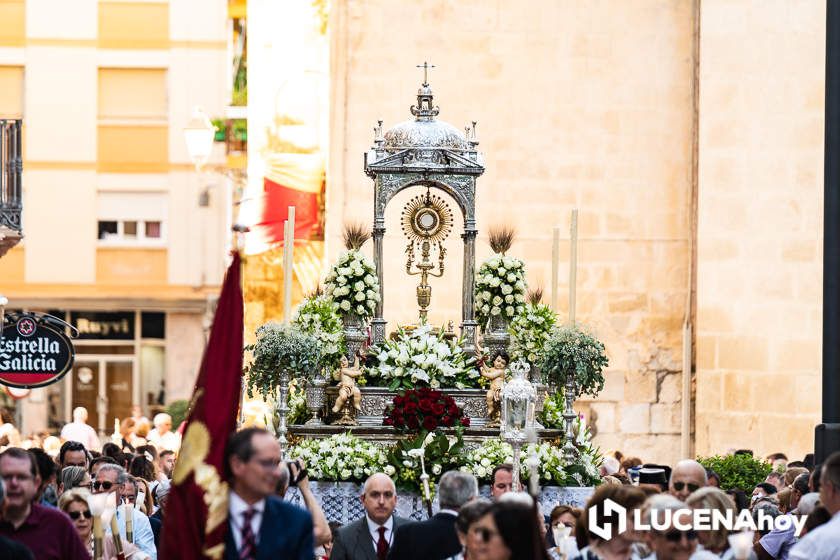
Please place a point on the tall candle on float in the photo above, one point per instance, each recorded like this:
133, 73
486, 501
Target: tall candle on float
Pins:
573, 266
288, 263
555, 263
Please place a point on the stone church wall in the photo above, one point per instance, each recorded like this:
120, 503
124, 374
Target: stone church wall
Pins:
591, 105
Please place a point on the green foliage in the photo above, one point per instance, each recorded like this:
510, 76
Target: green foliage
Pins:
441, 453
280, 347
737, 471
529, 331
298, 413
573, 351
552, 413
221, 129
318, 316
178, 411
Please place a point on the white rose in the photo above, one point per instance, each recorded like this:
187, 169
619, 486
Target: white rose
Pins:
493, 310
436, 469
508, 298
390, 470
511, 277
359, 286
497, 300
360, 309
346, 473
360, 296
494, 282
345, 305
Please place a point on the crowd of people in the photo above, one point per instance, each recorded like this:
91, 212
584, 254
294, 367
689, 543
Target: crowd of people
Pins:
48, 504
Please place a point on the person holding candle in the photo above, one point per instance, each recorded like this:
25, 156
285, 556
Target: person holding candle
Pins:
75, 504
110, 478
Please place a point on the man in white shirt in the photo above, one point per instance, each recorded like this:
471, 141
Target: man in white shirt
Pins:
162, 435
110, 478
78, 430
823, 543
370, 537
260, 524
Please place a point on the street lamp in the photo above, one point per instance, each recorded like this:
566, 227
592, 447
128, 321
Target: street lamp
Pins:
198, 135
519, 399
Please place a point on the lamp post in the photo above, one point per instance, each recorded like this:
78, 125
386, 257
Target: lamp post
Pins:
519, 400
198, 134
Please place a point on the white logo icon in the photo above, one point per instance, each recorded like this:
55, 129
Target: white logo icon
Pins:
610, 508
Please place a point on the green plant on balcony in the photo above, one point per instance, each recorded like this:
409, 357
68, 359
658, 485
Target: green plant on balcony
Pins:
239, 130
221, 130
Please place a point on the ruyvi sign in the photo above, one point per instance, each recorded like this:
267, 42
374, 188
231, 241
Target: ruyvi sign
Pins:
34, 351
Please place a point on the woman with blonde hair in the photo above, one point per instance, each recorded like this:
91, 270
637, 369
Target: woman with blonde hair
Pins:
716, 540
75, 504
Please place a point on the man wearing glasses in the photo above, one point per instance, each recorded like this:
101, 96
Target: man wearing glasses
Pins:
47, 532
112, 478
687, 476
260, 524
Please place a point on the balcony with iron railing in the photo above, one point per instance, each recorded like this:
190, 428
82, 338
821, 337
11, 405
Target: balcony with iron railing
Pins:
11, 171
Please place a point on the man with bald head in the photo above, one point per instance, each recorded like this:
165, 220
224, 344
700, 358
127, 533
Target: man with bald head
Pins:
687, 476
370, 537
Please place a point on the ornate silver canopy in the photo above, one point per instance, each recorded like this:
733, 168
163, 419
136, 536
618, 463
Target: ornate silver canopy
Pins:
426, 152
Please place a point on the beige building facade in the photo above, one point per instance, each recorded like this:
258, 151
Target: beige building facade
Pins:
117, 239
689, 136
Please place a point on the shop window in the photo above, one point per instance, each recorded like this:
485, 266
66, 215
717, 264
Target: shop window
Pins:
153, 325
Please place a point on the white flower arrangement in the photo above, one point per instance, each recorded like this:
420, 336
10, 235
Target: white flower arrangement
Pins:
353, 285
342, 458
499, 288
529, 331
553, 468
318, 316
422, 357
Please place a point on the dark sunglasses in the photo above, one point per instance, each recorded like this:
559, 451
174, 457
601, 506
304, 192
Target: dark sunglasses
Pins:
104, 484
678, 486
76, 515
676, 536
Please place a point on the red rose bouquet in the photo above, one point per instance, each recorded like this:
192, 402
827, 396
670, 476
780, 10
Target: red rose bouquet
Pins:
424, 409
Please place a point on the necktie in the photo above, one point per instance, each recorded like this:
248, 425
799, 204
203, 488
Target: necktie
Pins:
381, 545
248, 550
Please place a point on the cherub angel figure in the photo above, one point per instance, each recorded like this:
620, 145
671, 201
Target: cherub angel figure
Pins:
496, 375
347, 384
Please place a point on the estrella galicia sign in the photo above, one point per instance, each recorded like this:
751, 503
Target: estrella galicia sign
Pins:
35, 350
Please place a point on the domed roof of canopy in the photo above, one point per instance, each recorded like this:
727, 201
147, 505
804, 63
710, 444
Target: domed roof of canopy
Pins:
425, 131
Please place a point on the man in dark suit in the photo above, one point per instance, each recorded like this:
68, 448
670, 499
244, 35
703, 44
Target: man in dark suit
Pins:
260, 525
370, 537
436, 538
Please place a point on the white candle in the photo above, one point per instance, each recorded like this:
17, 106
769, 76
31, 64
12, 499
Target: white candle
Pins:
288, 263
555, 267
573, 267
